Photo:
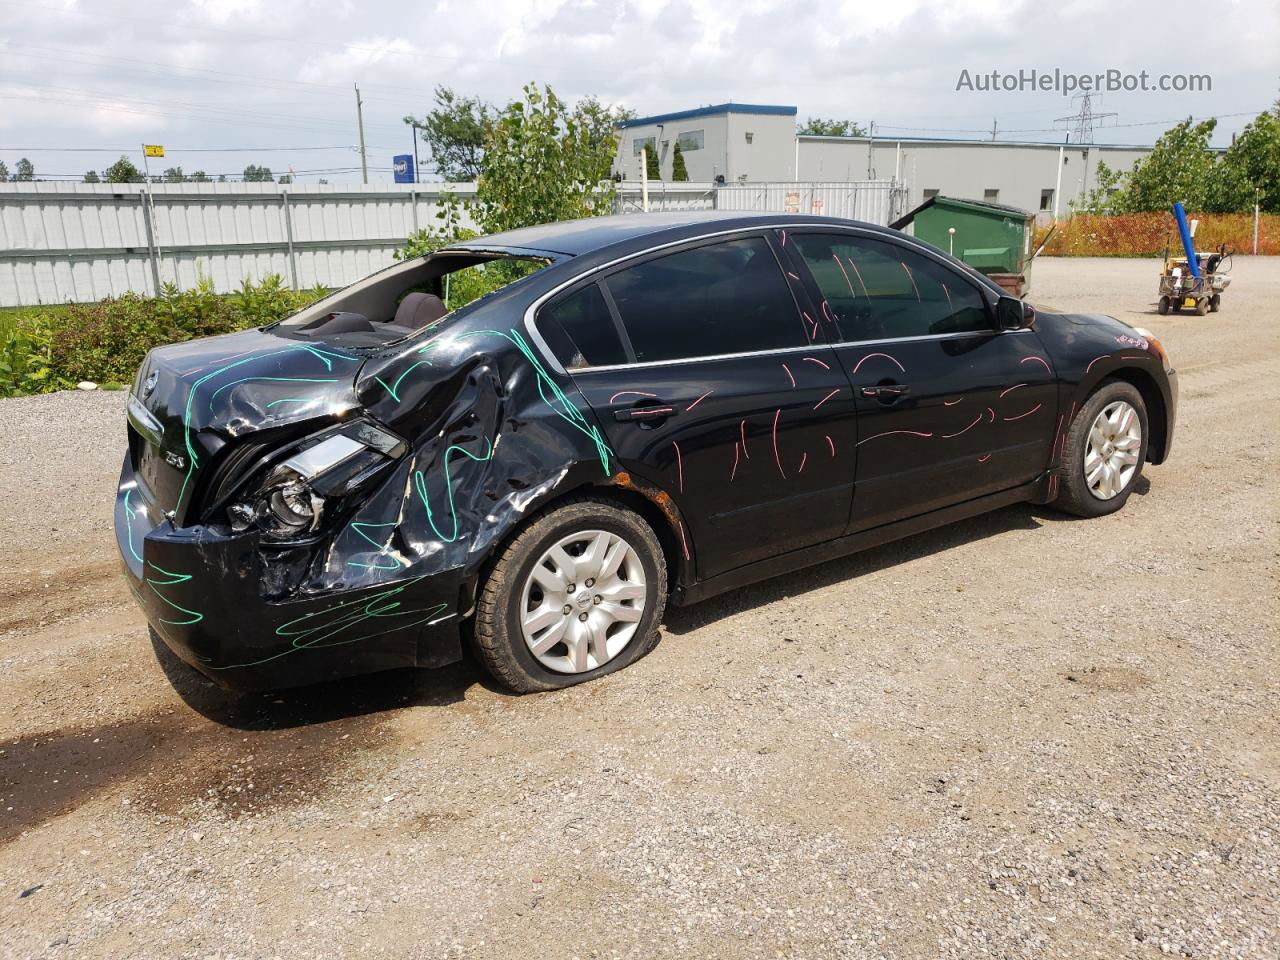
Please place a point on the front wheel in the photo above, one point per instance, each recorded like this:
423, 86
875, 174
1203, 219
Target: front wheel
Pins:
1104, 451
577, 594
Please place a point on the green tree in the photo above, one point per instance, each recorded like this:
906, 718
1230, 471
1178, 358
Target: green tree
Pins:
91, 176
25, 170
1250, 168
818, 127
122, 171
652, 169
199, 177
175, 175
541, 164
1179, 167
285, 178
679, 172
454, 132
4, 172
254, 173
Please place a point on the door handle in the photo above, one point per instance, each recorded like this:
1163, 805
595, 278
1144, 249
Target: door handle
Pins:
887, 392
652, 411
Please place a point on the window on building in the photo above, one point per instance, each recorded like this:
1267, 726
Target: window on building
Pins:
580, 330
991, 194
721, 298
691, 140
930, 194
643, 143
879, 290
1046, 199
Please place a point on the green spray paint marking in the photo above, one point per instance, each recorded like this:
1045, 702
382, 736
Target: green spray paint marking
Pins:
560, 404
383, 549
174, 579
420, 484
235, 383
192, 458
292, 400
312, 629
395, 387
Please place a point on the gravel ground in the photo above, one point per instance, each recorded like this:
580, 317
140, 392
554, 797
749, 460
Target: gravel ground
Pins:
1020, 736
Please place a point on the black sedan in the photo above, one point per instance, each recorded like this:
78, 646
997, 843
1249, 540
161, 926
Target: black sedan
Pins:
637, 409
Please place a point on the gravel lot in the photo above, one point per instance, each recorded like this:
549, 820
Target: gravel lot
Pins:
1020, 736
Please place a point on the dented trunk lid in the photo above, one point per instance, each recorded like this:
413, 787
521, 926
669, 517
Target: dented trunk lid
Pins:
193, 402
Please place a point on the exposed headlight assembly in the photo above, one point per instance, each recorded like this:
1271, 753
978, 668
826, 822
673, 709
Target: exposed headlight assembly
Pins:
291, 500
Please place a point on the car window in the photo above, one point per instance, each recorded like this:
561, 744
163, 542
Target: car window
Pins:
728, 297
878, 290
580, 330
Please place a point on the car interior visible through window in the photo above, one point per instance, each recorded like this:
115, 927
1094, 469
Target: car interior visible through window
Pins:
879, 291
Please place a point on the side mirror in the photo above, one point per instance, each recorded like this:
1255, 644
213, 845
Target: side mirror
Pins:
1014, 314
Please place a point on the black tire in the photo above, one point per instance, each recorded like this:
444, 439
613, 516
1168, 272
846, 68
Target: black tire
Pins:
1075, 496
1164, 306
499, 641
1215, 303
1202, 306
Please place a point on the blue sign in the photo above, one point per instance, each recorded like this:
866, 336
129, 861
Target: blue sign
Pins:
402, 167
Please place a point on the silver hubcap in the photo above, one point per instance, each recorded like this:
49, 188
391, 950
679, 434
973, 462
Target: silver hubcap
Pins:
1112, 451
583, 601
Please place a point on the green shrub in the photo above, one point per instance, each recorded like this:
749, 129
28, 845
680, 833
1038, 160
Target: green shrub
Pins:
53, 348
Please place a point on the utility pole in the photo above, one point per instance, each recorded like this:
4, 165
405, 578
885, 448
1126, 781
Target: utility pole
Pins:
871, 144
364, 160
994, 127
1084, 121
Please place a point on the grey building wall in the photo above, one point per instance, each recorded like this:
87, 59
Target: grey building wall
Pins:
770, 154
725, 151
1019, 172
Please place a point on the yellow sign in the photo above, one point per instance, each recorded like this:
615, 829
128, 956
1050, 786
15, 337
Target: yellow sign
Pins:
152, 150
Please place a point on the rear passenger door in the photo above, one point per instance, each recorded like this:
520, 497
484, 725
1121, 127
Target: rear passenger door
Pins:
711, 383
949, 407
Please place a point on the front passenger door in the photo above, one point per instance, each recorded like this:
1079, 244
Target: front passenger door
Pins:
949, 408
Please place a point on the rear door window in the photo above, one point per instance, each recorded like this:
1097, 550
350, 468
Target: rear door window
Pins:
721, 298
878, 290
580, 330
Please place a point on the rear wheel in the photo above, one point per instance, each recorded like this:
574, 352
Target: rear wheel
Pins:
1104, 451
1164, 305
577, 594
1215, 303
1202, 306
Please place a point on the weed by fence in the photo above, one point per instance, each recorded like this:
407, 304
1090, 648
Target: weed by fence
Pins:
1147, 234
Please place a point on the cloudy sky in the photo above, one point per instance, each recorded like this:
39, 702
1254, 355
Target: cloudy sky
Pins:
223, 83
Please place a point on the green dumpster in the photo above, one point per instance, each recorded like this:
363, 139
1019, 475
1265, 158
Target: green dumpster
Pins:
991, 237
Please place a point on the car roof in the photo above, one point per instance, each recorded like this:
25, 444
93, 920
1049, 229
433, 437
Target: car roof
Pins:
578, 237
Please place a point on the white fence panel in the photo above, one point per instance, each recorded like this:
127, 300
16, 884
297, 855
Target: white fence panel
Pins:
63, 242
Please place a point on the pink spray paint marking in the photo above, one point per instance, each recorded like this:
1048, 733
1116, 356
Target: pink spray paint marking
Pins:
858, 273
792, 275
1027, 414
951, 403
777, 459
826, 312
846, 274
826, 398
912, 279
679, 466
885, 355
742, 428
813, 325
684, 544
948, 293
824, 366
889, 433
790, 375
984, 458
734, 471
1011, 389
653, 411
698, 401
992, 414
784, 237
1136, 356
832, 444
1038, 360
803, 459
1095, 360
631, 393
976, 420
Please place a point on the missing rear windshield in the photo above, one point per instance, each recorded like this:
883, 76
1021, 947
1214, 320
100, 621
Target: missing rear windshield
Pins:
408, 298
